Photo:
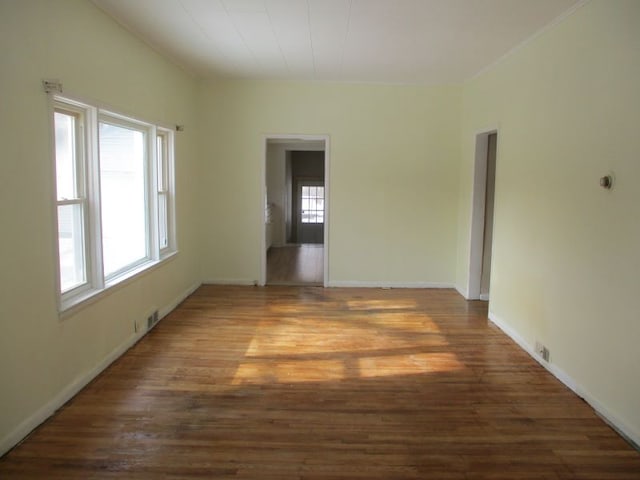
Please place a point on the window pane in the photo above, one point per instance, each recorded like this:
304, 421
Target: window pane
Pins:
65, 126
312, 204
162, 221
124, 238
160, 161
71, 246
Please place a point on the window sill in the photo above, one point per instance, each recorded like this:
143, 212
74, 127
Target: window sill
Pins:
72, 306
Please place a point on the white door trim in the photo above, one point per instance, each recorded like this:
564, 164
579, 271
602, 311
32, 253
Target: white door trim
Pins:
478, 197
263, 198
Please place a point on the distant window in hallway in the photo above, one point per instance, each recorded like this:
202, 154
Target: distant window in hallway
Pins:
312, 204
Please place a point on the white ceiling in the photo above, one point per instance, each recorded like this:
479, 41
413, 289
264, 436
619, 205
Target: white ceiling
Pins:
389, 41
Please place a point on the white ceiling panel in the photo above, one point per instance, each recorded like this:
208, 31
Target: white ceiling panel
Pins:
245, 6
391, 41
328, 28
289, 19
257, 33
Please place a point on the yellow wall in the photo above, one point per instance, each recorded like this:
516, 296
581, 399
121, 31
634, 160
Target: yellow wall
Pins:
42, 357
566, 258
393, 176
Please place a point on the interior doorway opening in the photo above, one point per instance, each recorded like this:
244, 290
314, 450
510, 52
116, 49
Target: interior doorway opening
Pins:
295, 240
482, 216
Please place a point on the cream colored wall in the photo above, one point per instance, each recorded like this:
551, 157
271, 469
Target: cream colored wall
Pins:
566, 252
41, 357
393, 178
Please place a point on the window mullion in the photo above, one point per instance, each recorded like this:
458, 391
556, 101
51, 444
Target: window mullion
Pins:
94, 209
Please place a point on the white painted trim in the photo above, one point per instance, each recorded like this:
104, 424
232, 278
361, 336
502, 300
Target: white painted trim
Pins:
327, 208
627, 432
231, 282
68, 392
369, 284
462, 292
484, 297
327, 200
476, 221
263, 214
94, 295
30, 423
167, 309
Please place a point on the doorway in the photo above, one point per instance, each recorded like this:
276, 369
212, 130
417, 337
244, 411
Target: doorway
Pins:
295, 248
482, 216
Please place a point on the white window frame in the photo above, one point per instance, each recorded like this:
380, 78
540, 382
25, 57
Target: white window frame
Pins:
89, 117
164, 187
147, 130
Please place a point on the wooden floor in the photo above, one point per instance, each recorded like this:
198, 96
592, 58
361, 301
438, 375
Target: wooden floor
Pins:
295, 265
312, 383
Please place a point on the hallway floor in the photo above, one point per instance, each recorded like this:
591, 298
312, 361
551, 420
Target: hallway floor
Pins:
296, 265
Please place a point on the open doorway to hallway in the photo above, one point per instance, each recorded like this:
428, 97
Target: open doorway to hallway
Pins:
482, 216
296, 213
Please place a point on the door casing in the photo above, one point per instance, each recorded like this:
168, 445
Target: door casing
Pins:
478, 206
295, 138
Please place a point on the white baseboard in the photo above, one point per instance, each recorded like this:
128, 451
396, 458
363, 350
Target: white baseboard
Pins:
67, 393
367, 284
29, 424
463, 291
177, 301
230, 281
339, 283
632, 436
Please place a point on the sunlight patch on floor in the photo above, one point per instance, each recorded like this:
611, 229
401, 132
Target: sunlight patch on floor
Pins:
381, 304
384, 366
336, 338
290, 372
346, 365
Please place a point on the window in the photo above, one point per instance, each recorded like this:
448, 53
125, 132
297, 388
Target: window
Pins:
122, 191
71, 200
312, 204
163, 174
114, 191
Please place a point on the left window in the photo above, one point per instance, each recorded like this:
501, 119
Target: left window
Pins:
71, 199
114, 198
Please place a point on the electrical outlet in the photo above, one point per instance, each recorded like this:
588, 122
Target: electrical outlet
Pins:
137, 326
542, 351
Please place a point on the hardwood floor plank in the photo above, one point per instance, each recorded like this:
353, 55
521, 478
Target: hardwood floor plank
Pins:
305, 382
